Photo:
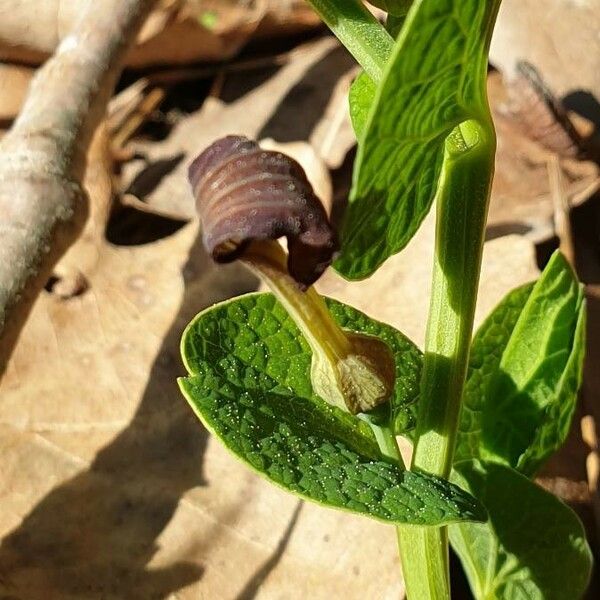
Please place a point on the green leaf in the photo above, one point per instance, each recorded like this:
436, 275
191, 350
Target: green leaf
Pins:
531, 395
249, 383
484, 361
362, 92
434, 80
532, 548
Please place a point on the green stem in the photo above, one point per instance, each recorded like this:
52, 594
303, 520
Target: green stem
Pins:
430, 579
386, 440
360, 32
462, 203
424, 557
389, 448
424, 562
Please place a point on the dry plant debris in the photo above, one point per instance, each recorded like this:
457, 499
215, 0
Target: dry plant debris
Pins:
177, 32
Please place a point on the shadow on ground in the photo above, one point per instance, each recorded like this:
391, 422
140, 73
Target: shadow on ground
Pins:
93, 536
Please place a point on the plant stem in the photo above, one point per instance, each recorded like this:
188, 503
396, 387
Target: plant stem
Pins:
462, 203
424, 557
429, 580
389, 448
385, 439
360, 32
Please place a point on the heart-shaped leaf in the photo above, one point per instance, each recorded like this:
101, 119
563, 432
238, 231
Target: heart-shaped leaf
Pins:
433, 81
484, 360
525, 371
533, 546
250, 384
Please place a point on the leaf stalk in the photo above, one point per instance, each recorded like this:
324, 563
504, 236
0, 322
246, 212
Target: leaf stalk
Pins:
360, 32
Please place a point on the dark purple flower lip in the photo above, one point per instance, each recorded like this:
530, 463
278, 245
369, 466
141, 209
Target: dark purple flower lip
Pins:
245, 194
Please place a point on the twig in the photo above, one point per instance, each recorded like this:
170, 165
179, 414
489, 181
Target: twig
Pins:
587, 192
562, 209
121, 105
186, 74
42, 159
138, 117
128, 100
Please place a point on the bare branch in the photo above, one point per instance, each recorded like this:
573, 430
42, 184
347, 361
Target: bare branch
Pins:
42, 159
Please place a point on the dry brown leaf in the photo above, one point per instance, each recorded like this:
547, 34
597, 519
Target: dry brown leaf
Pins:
333, 137
178, 31
559, 37
286, 18
522, 195
14, 82
207, 30
286, 105
80, 261
30, 31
